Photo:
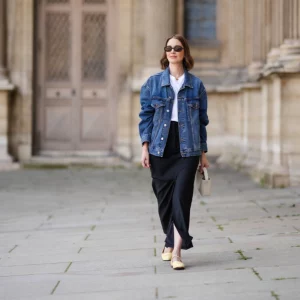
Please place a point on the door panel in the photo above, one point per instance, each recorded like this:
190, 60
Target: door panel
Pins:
93, 103
93, 46
92, 121
74, 75
58, 123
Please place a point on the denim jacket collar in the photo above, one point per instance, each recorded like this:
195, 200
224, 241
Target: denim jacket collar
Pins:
165, 79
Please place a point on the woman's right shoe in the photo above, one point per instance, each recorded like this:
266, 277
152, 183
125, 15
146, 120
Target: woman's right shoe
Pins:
177, 264
166, 256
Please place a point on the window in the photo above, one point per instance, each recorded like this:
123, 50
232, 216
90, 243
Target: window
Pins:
200, 20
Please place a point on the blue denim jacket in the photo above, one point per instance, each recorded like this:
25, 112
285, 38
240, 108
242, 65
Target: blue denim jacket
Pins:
157, 97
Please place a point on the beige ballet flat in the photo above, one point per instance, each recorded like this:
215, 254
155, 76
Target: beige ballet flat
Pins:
166, 256
177, 265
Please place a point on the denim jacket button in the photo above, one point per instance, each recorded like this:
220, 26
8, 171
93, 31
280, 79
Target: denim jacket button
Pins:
162, 138
165, 125
167, 110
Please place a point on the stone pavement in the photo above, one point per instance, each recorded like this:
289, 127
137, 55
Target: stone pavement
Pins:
95, 234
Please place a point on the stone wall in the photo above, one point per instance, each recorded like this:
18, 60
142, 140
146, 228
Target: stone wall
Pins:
252, 76
252, 85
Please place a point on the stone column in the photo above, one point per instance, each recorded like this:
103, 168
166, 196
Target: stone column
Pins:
277, 23
159, 25
20, 64
265, 147
236, 33
278, 169
272, 169
291, 19
290, 49
258, 38
5, 87
2, 40
276, 32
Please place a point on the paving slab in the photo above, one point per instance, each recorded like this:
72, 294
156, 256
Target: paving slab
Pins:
95, 234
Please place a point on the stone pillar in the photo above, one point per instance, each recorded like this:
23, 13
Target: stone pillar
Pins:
277, 23
159, 25
236, 33
242, 160
272, 169
277, 20
5, 87
264, 162
283, 57
250, 34
20, 64
291, 19
2, 41
4, 93
279, 171
256, 65
289, 55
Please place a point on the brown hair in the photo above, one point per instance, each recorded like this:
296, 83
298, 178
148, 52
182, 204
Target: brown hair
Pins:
188, 61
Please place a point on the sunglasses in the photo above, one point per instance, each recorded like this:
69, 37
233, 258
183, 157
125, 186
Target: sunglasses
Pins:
177, 48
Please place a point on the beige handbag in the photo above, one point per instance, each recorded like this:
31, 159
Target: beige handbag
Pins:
203, 183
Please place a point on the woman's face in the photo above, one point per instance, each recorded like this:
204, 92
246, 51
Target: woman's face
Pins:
173, 56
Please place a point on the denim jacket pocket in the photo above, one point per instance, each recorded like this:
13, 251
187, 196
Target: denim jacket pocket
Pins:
159, 105
157, 102
193, 102
193, 105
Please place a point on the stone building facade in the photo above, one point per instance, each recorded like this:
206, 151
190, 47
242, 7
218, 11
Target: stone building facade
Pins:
71, 71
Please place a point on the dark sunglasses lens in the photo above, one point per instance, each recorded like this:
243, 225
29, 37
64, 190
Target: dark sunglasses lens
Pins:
178, 48
168, 48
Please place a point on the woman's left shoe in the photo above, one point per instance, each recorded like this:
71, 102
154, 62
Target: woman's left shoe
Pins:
166, 256
177, 264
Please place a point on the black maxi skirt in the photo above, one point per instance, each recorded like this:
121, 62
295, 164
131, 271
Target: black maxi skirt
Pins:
173, 185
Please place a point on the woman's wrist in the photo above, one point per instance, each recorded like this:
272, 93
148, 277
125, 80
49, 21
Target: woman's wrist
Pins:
145, 145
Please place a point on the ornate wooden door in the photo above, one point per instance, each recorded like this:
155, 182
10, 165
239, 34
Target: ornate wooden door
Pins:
75, 75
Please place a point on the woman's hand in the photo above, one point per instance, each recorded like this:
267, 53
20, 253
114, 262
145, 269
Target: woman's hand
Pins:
203, 163
145, 156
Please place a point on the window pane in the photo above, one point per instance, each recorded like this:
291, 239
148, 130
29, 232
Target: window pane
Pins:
200, 19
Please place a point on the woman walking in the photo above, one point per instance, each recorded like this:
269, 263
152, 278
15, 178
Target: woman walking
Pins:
173, 135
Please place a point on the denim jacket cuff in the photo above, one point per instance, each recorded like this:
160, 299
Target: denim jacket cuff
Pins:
145, 138
204, 147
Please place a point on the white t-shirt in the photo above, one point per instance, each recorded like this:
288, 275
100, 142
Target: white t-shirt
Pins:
176, 85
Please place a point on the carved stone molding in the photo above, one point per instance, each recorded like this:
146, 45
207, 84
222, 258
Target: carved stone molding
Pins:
290, 55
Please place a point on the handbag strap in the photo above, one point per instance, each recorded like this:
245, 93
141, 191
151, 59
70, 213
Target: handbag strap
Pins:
205, 174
